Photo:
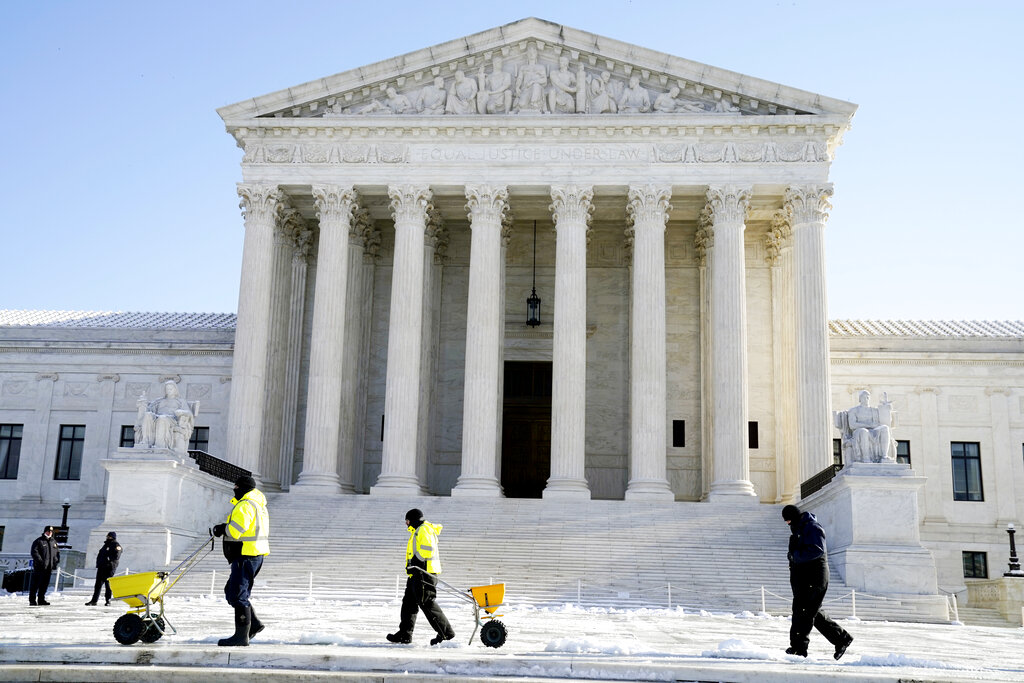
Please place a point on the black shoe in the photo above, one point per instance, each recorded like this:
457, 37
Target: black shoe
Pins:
841, 647
106, 604
241, 637
32, 603
438, 639
399, 637
43, 602
255, 625
92, 603
802, 653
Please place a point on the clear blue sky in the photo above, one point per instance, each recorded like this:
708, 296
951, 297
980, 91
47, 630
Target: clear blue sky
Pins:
114, 158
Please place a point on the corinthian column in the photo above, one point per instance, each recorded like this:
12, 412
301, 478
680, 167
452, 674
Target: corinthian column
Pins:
648, 209
409, 206
728, 338
484, 339
809, 209
261, 206
334, 207
301, 245
571, 207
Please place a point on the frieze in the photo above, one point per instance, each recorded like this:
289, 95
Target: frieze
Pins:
14, 387
135, 389
197, 391
611, 154
76, 389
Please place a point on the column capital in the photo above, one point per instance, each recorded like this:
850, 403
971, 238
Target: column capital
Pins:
302, 244
486, 203
506, 228
648, 204
436, 236
808, 203
360, 226
289, 223
260, 203
334, 203
410, 203
778, 236
704, 239
728, 203
571, 204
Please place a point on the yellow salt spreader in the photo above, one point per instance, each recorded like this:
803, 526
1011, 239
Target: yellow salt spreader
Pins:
485, 601
144, 592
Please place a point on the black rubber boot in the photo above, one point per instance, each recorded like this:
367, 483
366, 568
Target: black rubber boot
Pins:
243, 619
255, 625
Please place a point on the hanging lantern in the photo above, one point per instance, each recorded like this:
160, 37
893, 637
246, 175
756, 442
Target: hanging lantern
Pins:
533, 301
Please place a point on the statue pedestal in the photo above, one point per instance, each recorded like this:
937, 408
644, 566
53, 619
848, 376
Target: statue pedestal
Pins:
1005, 595
870, 515
160, 505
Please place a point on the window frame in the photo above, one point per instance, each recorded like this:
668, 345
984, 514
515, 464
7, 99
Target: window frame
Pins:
194, 441
126, 439
967, 462
12, 452
73, 456
908, 460
974, 556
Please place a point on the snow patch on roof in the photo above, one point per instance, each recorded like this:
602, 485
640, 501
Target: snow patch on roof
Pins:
990, 329
118, 319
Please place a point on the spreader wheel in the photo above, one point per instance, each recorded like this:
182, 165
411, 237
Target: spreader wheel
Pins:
128, 629
493, 633
154, 630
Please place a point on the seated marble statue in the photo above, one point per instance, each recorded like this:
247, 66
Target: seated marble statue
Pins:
635, 98
866, 431
165, 422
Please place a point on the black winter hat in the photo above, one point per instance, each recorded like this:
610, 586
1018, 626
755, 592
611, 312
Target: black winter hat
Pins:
790, 512
47, 528
112, 534
414, 515
244, 484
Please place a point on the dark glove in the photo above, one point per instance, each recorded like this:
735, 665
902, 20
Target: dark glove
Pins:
219, 529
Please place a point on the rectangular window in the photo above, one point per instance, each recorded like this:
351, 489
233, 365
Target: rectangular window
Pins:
1, 539
10, 450
127, 436
69, 452
200, 440
678, 433
837, 452
966, 470
975, 565
903, 452
751, 435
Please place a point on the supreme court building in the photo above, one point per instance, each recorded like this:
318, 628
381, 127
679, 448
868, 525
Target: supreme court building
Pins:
668, 215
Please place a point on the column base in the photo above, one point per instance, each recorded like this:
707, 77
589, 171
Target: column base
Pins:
566, 489
317, 484
649, 489
478, 487
733, 491
397, 485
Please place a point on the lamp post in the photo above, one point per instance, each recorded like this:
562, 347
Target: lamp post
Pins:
62, 532
1014, 561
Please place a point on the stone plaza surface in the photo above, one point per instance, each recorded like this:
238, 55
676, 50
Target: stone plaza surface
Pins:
314, 639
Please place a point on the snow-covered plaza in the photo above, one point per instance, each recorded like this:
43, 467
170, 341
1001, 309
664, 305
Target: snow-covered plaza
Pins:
316, 639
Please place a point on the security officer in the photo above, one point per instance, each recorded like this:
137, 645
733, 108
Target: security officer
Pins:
246, 542
45, 558
106, 564
422, 565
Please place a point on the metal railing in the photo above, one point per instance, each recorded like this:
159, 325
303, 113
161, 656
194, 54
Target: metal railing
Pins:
819, 480
216, 467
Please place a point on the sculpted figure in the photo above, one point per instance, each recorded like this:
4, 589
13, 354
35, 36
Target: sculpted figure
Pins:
562, 93
867, 431
666, 101
462, 95
432, 98
634, 98
496, 91
395, 103
165, 422
723, 107
601, 100
530, 83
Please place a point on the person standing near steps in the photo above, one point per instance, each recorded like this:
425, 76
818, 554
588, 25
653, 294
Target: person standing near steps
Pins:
106, 564
422, 565
808, 576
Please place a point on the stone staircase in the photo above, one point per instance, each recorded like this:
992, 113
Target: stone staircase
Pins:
595, 553
980, 616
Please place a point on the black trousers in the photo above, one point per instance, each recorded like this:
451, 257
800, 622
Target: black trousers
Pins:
421, 594
40, 582
101, 582
809, 581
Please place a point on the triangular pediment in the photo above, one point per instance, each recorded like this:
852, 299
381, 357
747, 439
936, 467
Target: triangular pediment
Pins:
533, 67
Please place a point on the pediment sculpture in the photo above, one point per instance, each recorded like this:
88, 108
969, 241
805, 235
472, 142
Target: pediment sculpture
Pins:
866, 431
534, 83
166, 422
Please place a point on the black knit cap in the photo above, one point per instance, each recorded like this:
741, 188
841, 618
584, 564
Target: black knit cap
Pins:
243, 485
790, 512
414, 515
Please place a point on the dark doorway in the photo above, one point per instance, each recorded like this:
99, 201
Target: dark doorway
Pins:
526, 429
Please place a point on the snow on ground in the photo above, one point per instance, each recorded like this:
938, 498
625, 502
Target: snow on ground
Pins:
536, 632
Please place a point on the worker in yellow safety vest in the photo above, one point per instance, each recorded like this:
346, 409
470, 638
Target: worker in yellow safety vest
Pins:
246, 542
422, 565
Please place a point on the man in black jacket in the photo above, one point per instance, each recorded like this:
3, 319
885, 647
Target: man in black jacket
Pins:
808, 576
106, 564
45, 558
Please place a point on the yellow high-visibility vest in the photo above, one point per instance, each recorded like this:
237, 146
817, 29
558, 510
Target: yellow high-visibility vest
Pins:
249, 522
423, 546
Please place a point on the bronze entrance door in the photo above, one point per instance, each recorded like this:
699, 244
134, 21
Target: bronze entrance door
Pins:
526, 429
